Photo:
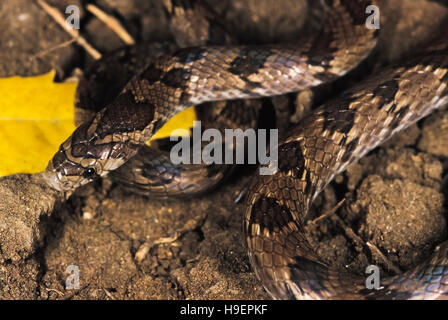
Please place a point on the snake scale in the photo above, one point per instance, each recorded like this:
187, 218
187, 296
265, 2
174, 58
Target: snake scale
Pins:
313, 152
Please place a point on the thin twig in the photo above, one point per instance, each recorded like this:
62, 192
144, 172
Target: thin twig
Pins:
59, 46
109, 294
55, 290
329, 212
60, 19
112, 23
373, 249
190, 225
144, 249
354, 237
389, 264
142, 252
166, 240
349, 231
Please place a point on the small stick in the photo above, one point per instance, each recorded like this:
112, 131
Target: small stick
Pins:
388, 263
349, 231
59, 18
373, 249
55, 290
112, 23
107, 292
190, 225
329, 212
166, 240
61, 45
352, 235
142, 252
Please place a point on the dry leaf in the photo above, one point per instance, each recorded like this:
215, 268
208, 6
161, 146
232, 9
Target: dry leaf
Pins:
36, 116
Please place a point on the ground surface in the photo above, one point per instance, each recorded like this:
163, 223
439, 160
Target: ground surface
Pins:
131, 247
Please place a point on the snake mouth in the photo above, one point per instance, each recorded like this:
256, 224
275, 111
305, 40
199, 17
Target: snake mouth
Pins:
57, 180
53, 180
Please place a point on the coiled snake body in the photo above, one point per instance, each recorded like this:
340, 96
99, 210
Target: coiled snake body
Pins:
316, 150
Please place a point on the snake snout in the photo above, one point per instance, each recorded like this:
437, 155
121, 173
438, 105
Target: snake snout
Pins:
52, 179
64, 173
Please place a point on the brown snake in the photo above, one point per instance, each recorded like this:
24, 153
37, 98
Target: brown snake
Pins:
321, 146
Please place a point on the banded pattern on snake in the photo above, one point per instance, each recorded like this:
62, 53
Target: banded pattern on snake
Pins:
321, 146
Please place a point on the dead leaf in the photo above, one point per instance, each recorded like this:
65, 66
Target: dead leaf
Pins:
37, 115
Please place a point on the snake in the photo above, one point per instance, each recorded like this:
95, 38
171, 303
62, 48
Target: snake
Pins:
311, 154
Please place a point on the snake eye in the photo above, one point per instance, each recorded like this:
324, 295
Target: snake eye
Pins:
89, 173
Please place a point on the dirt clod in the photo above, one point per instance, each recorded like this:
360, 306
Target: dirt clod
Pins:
400, 214
26, 202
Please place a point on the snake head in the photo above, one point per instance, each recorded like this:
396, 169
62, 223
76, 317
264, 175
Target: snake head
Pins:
83, 158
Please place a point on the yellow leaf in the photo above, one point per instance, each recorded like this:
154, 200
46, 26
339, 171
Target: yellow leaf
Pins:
37, 115
182, 120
